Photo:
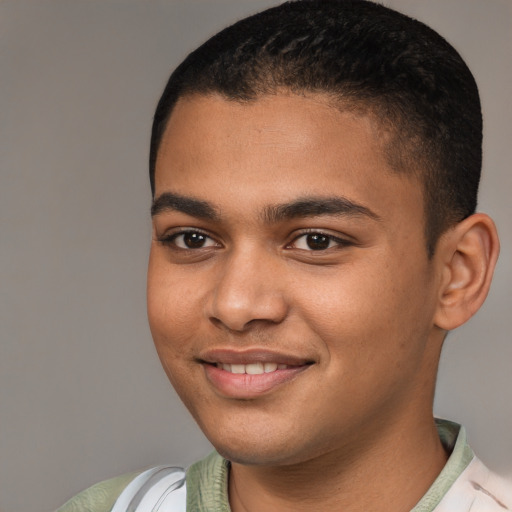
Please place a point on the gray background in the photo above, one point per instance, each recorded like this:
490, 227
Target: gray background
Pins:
82, 395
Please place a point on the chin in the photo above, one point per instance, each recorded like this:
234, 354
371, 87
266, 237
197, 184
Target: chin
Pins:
256, 456
264, 447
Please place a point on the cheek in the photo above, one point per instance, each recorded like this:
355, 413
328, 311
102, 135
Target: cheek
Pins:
172, 328
368, 305
172, 311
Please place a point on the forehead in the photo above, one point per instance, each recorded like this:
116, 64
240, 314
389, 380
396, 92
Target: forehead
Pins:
278, 148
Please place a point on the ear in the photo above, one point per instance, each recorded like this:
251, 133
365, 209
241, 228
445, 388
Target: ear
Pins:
467, 254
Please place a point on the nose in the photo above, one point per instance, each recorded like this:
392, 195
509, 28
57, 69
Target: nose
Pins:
249, 290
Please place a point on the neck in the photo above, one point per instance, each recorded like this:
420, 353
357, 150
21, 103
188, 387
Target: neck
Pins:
390, 476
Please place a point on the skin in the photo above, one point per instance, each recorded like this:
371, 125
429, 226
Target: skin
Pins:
362, 318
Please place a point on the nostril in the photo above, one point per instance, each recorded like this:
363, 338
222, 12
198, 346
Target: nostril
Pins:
246, 292
230, 323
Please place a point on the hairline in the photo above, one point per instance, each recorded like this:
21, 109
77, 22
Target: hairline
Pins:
393, 133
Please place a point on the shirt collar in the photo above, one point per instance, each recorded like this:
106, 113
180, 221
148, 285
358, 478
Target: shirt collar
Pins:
207, 480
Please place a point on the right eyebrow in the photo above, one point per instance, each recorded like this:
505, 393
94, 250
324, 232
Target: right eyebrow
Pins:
169, 201
317, 206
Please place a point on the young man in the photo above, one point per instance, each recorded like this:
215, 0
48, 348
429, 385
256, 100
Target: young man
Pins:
314, 171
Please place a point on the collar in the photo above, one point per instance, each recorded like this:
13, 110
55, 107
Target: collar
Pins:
207, 480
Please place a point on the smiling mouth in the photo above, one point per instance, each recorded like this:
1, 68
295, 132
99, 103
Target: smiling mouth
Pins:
252, 368
249, 380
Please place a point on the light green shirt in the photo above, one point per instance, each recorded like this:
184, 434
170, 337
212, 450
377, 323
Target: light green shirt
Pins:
207, 480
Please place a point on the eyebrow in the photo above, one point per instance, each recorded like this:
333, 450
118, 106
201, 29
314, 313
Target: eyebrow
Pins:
299, 208
169, 201
317, 206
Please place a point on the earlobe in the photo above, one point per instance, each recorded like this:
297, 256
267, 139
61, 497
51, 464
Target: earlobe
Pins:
468, 255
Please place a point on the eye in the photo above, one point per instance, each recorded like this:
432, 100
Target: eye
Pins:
317, 242
189, 240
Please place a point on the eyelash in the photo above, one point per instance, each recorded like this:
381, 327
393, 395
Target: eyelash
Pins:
340, 242
170, 240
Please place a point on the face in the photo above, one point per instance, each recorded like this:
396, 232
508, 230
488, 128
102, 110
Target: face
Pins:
290, 296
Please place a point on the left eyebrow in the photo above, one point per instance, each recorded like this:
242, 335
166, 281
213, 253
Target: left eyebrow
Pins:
317, 206
169, 201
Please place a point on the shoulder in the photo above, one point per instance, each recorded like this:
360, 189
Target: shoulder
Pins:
100, 497
207, 484
479, 489
206, 480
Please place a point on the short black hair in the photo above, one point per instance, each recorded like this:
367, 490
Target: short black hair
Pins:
365, 56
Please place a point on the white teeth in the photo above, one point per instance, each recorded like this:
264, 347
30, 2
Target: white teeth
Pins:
270, 367
252, 368
238, 368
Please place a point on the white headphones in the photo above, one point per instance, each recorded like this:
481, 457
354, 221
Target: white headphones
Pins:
159, 489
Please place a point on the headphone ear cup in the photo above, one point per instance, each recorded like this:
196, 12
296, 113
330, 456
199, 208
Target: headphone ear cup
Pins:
156, 489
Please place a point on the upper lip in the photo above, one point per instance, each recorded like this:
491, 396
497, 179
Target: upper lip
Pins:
248, 356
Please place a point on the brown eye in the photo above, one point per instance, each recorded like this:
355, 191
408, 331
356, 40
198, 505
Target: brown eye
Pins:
192, 240
317, 241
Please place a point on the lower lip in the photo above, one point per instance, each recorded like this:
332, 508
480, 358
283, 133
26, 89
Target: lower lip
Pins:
245, 386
